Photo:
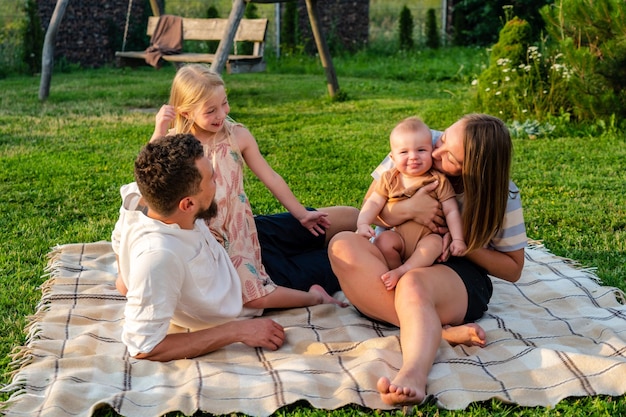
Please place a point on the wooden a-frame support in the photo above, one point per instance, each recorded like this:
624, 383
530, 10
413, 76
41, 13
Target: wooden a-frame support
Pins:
221, 55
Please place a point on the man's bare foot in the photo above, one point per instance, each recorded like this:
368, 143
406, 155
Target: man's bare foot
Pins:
398, 395
469, 334
325, 298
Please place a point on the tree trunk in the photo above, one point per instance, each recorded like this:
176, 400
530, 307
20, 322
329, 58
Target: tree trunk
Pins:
221, 55
47, 55
322, 48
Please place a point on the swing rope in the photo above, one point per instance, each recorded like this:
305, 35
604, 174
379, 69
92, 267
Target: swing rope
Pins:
130, 6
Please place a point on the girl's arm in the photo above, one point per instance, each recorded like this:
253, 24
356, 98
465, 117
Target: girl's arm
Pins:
314, 221
164, 119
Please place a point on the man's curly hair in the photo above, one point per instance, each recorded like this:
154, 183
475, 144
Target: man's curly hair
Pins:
166, 172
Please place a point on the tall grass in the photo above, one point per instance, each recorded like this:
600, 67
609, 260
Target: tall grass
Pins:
62, 162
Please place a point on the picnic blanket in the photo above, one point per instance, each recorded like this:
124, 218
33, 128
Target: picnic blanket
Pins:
554, 334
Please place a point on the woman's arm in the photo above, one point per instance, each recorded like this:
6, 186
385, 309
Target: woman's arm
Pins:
421, 207
504, 265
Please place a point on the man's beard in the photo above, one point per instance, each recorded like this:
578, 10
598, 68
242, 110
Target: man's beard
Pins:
209, 213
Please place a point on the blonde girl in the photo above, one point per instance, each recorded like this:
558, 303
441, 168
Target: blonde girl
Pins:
281, 259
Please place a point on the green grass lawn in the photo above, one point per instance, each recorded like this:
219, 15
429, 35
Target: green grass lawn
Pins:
62, 162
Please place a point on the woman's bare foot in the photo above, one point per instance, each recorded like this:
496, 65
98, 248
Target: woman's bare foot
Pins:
398, 394
325, 298
469, 334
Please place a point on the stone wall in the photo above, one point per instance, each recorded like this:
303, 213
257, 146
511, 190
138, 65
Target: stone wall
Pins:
92, 30
345, 24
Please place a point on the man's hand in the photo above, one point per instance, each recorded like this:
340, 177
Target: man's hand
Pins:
262, 332
257, 332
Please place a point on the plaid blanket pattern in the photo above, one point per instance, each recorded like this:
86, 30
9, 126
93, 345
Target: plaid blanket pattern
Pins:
556, 333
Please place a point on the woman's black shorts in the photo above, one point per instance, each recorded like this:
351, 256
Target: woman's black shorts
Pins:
478, 285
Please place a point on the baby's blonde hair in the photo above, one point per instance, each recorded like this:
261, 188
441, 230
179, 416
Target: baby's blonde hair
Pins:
411, 124
193, 86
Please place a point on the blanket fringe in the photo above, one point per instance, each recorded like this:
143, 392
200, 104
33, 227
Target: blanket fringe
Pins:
17, 390
590, 272
22, 356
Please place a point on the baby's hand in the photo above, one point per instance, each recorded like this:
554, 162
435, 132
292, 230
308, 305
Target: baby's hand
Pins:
458, 247
315, 222
164, 119
365, 230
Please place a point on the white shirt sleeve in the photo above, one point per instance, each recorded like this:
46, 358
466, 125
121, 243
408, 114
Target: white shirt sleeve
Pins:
154, 289
130, 200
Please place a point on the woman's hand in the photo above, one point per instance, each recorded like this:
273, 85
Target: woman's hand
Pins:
421, 207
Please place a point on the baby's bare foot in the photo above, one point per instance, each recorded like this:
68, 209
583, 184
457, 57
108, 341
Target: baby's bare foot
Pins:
391, 278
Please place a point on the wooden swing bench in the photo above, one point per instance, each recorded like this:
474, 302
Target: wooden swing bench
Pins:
249, 30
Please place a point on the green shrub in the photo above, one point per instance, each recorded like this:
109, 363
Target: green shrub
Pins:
32, 38
523, 81
592, 36
405, 33
246, 48
477, 22
11, 56
289, 28
432, 34
212, 13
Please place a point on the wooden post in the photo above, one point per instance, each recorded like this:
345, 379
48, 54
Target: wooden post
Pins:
47, 55
322, 48
157, 8
226, 43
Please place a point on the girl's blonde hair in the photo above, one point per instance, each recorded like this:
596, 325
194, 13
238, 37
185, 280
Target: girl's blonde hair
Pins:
486, 174
193, 86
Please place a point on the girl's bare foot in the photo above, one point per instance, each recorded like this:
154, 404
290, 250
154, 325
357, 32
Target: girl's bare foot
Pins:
325, 298
469, 334
397, 394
